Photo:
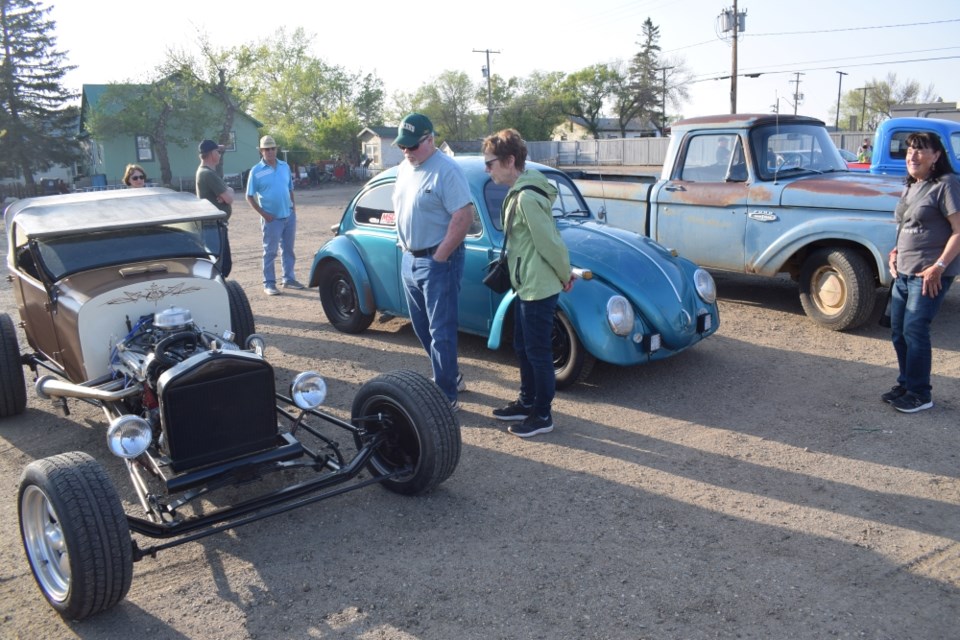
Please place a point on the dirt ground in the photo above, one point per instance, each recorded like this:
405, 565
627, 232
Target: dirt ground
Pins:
751, 487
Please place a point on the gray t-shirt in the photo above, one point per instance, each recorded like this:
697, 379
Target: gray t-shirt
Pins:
923, 210
425, 198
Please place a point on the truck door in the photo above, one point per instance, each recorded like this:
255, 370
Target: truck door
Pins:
701, 210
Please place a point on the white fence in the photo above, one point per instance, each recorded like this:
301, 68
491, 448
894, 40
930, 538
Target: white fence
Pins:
634, 151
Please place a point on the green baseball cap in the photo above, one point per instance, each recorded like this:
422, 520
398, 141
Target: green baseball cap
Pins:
412, 128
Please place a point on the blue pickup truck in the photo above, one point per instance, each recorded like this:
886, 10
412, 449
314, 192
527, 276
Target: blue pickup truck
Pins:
890, 149
767, 194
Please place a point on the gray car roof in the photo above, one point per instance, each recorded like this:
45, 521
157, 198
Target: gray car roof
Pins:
103, 210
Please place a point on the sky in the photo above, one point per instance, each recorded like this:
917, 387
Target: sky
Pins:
408, 44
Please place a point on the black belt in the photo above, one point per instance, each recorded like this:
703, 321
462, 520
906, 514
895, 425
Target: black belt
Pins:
422, 253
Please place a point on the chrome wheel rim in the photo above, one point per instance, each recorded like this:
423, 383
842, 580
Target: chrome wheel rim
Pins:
45, 544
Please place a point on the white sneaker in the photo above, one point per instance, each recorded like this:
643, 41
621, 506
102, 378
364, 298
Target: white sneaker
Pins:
461, 384
271, 291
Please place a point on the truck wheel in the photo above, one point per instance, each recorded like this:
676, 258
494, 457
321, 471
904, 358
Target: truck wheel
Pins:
75, 534
241, 315
837, 288
341, 303
572, 363
422, 432
13, 390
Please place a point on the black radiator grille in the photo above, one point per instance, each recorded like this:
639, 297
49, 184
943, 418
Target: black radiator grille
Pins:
221, 408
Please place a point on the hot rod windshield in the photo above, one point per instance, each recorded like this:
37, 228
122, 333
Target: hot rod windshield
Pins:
62, 255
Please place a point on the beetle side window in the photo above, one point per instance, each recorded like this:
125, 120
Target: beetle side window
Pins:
376, 207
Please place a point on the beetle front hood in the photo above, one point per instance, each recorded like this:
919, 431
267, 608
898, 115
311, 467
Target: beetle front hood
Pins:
638, 266
843, 191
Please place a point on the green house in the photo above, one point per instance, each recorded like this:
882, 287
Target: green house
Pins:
107, 158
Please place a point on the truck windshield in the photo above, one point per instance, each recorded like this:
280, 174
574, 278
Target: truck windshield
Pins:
71, 253
792, 149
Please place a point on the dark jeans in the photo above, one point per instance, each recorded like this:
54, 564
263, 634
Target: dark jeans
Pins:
910, 316
432, 289
533, 342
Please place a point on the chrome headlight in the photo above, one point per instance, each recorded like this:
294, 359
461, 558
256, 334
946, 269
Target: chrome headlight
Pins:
620, 315
706, 287
128, 436
308, 390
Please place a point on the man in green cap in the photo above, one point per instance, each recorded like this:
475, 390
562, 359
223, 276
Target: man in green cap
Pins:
434, 212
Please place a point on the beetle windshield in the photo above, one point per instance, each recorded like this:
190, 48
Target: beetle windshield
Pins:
65, 254
569, 202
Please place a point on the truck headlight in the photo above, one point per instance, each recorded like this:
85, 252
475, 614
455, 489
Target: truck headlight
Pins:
308, 390
128, 436
706, 287
620, 315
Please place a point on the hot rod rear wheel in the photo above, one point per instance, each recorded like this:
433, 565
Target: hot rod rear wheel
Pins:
75, 534
837, 288
572, 363
241, 315
422, 432
340, 300
13, 390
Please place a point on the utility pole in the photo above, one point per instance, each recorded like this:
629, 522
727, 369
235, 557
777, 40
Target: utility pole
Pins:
663, 99
487, 75
839, 85
732, 19
797, 96
863, 112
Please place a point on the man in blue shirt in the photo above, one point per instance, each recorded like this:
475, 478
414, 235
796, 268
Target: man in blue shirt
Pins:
270, 193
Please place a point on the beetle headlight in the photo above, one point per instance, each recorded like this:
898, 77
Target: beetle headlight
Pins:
620, 315
128, 436
308, 390
706, 287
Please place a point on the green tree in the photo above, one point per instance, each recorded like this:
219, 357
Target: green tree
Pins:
582, 94
449, 102
336, 135
170, 111
37, 123
873, 103
529, 104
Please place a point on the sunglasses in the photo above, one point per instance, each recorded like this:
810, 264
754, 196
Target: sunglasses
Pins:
138, 177
414, 147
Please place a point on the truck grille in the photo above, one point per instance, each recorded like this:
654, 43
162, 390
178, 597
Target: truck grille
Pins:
216, 406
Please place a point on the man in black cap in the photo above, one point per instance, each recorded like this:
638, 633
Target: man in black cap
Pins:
210, 186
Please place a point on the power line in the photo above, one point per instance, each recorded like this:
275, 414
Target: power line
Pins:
755, 73
885, 26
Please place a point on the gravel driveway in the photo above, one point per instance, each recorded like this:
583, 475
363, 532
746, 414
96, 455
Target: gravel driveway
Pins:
751, 487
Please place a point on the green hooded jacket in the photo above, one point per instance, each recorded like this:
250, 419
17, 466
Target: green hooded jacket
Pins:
539, 261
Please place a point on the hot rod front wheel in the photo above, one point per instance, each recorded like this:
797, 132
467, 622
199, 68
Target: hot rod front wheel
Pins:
13, 390
75, 534
422, 435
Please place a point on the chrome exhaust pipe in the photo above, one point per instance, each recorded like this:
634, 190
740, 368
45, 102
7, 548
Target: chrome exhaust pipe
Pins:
49, 387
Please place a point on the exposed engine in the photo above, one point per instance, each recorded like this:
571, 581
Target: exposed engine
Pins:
159, 341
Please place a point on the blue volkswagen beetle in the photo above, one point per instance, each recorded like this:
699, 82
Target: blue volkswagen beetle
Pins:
641, 303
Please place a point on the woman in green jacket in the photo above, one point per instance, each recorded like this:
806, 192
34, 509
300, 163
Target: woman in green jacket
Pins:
539, 271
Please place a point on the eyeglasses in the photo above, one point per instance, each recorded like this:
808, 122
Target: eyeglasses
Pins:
413, 147
490, 162
268, 149
138, 177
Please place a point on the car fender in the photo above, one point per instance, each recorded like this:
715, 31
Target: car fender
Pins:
825, 232
341, 249
496, 325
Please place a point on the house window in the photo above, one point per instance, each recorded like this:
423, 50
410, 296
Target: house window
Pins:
144, 149
372, 151
231, 144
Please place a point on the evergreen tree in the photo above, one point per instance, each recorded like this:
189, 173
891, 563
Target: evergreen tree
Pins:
37, 126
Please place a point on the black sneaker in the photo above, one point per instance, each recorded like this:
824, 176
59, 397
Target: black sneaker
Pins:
514, 411
532, 426
911, 403
893, 394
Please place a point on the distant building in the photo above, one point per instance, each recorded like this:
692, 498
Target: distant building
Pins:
575, 128
107, 158
376, 143
941, 110
462, 147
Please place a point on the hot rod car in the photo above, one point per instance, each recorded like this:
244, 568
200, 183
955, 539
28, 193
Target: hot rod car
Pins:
123, 306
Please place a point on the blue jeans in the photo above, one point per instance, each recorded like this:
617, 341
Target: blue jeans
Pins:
910, 316
533, 342
433, 289
278, 234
